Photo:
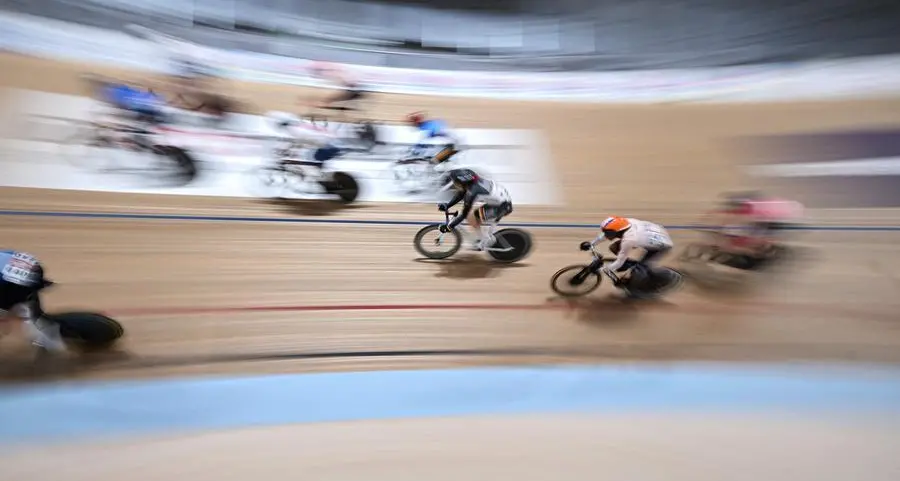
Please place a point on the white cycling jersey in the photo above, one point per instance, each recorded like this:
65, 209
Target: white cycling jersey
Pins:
496, 194
301, 130
641, 235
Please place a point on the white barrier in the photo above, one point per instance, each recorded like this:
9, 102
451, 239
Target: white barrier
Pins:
870, 77
517, 158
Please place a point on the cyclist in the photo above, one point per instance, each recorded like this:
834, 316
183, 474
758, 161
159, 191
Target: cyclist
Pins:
350, 89
629, 234
139, 104
470, 188
749, 225
434, 129
325, 144
21, 279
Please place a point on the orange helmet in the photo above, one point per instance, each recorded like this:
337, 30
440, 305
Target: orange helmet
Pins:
615, 226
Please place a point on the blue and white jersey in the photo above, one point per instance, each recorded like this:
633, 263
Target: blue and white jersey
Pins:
19, 268
436, 128
130, 98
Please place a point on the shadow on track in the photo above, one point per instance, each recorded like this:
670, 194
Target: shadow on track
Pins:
471, 266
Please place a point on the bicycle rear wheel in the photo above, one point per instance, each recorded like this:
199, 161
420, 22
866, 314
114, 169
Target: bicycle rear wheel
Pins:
88, 330
518, 243
89, 147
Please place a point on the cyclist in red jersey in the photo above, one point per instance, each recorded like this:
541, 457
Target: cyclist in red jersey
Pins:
751, 223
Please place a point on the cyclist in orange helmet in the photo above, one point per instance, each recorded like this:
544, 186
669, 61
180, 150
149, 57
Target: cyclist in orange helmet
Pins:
626, 235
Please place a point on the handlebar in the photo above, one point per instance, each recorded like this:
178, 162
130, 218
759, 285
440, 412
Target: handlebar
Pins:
602, 260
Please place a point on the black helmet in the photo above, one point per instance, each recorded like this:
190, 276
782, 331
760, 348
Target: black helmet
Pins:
462, 177
737, 199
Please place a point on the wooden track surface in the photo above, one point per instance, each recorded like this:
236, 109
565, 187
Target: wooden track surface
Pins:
663, 162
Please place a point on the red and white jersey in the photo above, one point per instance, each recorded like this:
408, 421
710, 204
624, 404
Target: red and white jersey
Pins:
771, 210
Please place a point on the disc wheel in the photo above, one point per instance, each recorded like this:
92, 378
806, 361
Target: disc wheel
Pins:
517, 241
88, 330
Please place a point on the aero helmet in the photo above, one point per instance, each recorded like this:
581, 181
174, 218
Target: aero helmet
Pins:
615, 226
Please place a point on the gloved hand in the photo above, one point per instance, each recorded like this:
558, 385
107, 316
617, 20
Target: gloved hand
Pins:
442, 207
444, 228
585, 246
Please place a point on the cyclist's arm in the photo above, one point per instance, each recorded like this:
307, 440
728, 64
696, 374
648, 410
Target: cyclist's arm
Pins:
467, 207
456, 198
624, 248
599, 238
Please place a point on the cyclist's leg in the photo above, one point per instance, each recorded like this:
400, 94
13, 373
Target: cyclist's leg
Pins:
346, 100
445, 154
24, 302
475, 221
323, 154
643, 269
488, 218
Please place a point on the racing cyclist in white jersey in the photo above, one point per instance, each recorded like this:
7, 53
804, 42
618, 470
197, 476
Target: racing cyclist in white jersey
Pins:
21, 279
495, 204
325, 144
626, 235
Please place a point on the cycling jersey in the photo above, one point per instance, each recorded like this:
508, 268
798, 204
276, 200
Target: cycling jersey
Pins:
773, 210
20, 268
484, 191
436, 128
129, 98
641, 235
758, 217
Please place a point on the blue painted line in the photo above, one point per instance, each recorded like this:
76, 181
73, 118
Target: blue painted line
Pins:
74, 410
207, 218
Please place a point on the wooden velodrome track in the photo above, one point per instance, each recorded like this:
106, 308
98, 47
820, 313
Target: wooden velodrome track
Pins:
178, 286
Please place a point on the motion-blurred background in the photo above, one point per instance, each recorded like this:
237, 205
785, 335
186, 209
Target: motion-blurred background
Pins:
582, 109
510, 35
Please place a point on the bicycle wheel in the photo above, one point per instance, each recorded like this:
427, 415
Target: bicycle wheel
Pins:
516, 244
575, 281
454, 242
88, 330
274, 181
342, 185
667, 280
89, 147
176, 163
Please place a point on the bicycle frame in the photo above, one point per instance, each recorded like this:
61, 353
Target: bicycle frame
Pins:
506, 247
597, 263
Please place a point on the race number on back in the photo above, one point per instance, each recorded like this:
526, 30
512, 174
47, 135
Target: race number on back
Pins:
656, 236
20, 268
499, 193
